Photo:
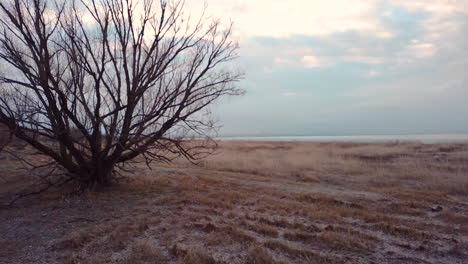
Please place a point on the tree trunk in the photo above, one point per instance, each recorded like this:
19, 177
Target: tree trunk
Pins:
97, 177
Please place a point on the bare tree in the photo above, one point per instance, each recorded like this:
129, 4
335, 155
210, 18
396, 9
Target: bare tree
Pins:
97, 84
5, 137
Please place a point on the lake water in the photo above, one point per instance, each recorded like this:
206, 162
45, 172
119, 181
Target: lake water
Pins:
442, 138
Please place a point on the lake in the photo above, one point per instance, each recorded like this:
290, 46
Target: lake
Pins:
440, 138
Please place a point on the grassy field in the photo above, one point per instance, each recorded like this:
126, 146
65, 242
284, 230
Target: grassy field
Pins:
257, 203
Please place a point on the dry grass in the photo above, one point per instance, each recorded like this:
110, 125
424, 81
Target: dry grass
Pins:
260, 202
260, 229
145, 251
193, 255
303, 254
372, 164
258, 255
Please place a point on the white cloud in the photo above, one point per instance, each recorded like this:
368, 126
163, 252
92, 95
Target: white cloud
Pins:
435, 6
279, 18
370, 41
283, 61
372, 74
289, 94
311, 61
444, 19
363, 59
422, 50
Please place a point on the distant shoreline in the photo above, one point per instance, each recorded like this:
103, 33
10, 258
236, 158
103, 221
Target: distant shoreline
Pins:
436, 138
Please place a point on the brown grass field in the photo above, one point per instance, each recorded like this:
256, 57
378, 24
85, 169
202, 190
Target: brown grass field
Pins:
256, 203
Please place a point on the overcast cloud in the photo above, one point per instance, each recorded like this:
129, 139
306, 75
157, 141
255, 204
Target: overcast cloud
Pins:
340, 67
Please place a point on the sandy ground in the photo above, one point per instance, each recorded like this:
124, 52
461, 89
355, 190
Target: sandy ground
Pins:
257, 202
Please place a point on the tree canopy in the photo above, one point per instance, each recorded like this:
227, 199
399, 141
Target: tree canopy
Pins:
97, 84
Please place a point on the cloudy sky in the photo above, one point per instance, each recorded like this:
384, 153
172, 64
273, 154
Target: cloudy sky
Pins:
347, 67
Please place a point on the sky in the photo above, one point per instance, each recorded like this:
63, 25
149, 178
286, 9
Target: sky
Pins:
347, 67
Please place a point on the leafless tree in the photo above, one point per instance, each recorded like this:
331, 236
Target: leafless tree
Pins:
97, 84
5, 137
